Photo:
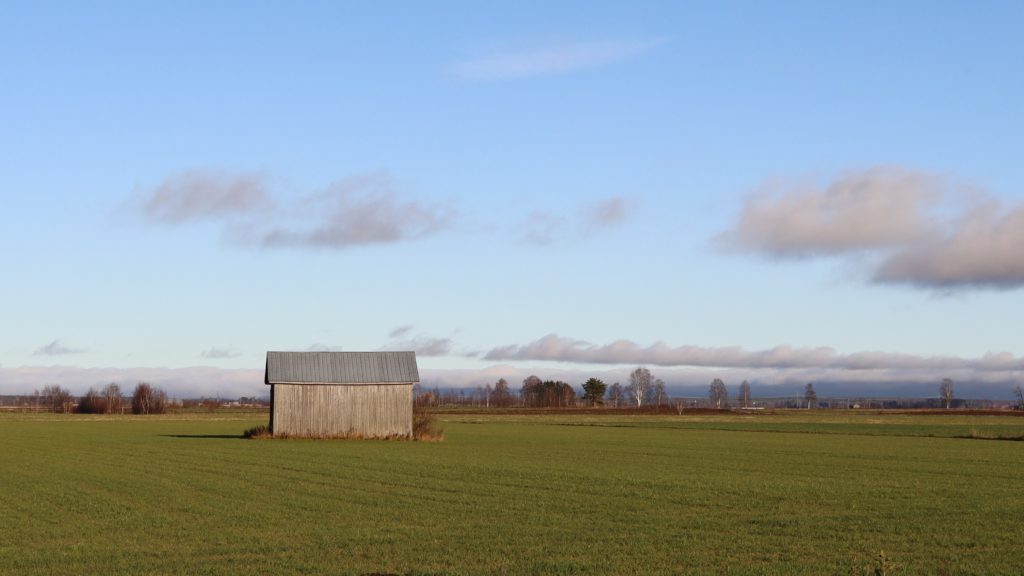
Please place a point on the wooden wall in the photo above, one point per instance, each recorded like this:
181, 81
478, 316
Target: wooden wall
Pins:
368, 410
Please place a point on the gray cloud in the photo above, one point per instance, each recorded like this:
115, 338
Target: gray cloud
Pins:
609, 212
425, 345
319, 347
550, 60
55, 348
355, 211
867, 210
558, 349
217, 352
358, 211
984, 249
908, 227
201, 194
400, 331
542, 228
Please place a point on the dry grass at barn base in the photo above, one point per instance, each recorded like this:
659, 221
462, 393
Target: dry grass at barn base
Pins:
424, 429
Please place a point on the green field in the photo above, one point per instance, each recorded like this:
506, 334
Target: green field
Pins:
794, 493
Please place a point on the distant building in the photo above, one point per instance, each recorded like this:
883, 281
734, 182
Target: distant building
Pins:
339, 394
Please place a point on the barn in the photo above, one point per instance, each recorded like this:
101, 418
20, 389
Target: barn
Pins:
341, 394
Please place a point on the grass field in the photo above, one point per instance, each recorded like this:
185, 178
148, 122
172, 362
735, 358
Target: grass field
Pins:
793, 493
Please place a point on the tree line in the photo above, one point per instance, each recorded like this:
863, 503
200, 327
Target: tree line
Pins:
145, 399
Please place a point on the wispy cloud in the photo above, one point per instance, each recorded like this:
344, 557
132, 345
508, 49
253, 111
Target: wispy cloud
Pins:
55, 348
551, 60
609, 212
220, 352
400, 331
908, 227
356, 211
424, 345
542, 227
320, 347
556, 348
199, 194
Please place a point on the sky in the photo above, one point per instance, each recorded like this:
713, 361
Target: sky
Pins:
783, 192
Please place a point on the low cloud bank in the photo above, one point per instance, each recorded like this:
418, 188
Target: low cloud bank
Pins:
556, 348
912, 227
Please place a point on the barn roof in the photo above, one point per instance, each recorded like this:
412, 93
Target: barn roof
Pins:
341, 368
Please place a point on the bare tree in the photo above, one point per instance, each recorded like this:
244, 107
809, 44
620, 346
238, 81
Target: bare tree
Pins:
745, 394
810, 396
680, 405
639, 384
112, 398
946, 392
92, 403
718, 393
615, 395
56, 399
658, 393
148, 400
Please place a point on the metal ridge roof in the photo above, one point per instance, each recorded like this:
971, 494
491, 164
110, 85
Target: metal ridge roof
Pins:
341, 368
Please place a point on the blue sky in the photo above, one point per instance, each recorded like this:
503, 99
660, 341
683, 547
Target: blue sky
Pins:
191, 185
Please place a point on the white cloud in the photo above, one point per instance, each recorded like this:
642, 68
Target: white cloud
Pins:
551, 60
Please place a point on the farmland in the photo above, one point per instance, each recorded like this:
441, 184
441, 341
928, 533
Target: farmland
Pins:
786, 493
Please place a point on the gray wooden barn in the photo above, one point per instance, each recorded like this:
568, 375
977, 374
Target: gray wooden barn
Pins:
334, 394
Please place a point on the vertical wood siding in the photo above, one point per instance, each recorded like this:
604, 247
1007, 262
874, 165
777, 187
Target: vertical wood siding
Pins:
369, 410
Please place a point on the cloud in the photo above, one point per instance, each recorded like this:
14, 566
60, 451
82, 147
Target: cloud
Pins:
400, 331
55, 348
875, 208
542, 228
559, 349
200, 194
318, 347
422, 344
905, 227
609, 212
983, 249
215, 352
355, 211
551, 60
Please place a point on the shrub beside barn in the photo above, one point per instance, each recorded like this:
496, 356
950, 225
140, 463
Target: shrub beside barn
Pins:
338, 394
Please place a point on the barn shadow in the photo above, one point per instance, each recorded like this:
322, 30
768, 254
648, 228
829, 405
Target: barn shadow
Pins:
205, 436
